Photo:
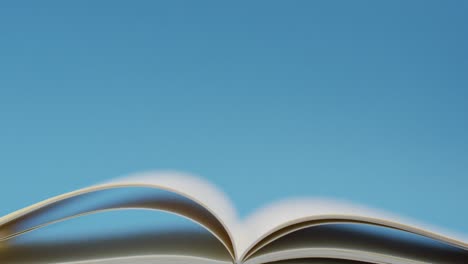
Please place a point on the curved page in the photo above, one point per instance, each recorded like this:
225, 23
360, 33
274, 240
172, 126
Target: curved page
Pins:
317, 261
195, 191
359, 243
76, 207
270, 223
156, 246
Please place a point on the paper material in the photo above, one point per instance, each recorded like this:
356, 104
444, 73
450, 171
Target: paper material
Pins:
366, 244
220, 220
183, 246
204, 204
281, 218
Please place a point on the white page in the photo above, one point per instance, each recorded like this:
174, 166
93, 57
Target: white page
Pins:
317, 261
299, 213
360, 243
155, 246
156, 259
163, 201
184, 185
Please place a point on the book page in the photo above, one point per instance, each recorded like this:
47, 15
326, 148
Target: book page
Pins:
197, 200
281, 218
317, 261
189, 245
358, 242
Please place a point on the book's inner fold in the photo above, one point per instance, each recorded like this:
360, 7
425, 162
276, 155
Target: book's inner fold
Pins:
359, 242
116, 199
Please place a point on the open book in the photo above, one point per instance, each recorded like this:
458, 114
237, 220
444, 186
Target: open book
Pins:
291, 231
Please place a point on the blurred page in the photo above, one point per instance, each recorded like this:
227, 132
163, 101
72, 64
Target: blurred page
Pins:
359, 243
196, 199
287, 216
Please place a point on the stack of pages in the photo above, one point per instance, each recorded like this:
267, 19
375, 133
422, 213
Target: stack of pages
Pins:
291, 231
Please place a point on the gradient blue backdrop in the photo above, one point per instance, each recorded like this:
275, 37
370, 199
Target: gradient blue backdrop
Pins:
365, 101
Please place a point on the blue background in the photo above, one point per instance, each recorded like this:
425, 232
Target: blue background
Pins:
364, 101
